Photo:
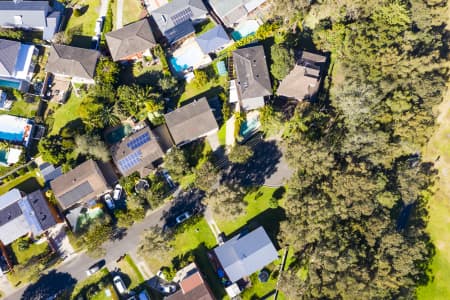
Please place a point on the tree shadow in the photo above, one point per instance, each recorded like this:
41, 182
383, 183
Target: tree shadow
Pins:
49, 285
189, 201
263, 163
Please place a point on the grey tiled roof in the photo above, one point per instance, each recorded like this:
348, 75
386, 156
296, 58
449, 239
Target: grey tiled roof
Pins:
9, 50
229, 11
191, 121
244, 255
176, 12
213, 39
130, 39
72, 61
253, 78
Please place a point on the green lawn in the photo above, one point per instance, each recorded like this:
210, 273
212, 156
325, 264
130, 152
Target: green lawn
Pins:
128, 267
222, 134
189, 240
22, 256
22, 109
258, 202
65, 113
132, 11
102, 294
84, 25
82, 286
27, 183
204, 27
439, 208
212, 88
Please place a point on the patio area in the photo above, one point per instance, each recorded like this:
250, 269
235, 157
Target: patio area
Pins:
188, 56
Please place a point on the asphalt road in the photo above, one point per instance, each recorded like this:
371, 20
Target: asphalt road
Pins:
77, 264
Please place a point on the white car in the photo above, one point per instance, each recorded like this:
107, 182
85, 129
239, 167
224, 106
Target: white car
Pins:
167, 289
92, 270
117, 194
109, 201
183, 217
120, 286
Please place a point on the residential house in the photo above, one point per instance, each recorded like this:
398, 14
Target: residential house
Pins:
30, 15
192, 285
232, 12
214, 40
49, 172
83, 184
131, 42
191, 122
22, 214
253, 80
243, 255
303, 81
176, 19
16, 63
139, 152
77, 64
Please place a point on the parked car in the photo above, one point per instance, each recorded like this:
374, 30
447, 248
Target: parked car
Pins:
183, 217
168, 178
120, 286
109, 201
95, 42
93, 269
117, 194
167, 289
98, 25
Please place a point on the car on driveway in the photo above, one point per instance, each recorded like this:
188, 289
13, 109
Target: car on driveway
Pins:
95, 268
120, 286
117, 194
183, 217
109, 201
167, 289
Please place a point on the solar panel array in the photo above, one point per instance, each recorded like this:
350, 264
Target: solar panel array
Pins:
139, 141
130, 161
182, 16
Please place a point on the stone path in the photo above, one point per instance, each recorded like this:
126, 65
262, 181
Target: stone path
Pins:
119, 14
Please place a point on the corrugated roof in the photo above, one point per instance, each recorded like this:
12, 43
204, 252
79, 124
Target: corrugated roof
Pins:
9, 51
213, 39
72, 187
252, 74
191, 121
72, 61
243, 256
130, 39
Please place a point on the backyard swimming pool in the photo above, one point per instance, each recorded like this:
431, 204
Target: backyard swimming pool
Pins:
10, 83
15, 129
118, 134
249, 126
188, 55
245, 29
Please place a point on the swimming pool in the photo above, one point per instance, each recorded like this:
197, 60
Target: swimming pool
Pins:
10, 83
118, 134
15, 129
187, 56
249, 126
245, 29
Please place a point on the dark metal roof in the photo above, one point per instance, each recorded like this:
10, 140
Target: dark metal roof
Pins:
253, 78
41, 209
78, 192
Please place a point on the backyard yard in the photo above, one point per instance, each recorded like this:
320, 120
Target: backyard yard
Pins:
82, 27
132, 11
23, 108
129, 268
94, 287
65, 113
29, 182
23, 255
212, 88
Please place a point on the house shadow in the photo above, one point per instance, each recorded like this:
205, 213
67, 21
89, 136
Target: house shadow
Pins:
270, 219
211, 93
263, 163
81, 41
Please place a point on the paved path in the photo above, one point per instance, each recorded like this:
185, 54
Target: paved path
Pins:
213, 140
119, 14
212, 223
103, 8
229, 137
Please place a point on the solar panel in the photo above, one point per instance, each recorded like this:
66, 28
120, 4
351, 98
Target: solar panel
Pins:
182, 16
139, 141
130, 161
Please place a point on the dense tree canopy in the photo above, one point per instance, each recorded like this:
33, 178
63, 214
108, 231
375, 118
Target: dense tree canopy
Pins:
356, 203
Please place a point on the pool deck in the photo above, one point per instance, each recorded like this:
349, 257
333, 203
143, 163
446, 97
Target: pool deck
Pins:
190, 54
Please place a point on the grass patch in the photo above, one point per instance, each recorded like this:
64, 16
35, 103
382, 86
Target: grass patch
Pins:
29, 182
222, 134
128, 267
439, 208
64, 113
132, 11
209, 90
89, 288
22, 256
258, 202
101, 295
83, 26
22, 108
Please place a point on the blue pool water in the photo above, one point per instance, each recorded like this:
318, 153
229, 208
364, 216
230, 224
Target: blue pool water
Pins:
9, 83
245, 29
3, 157
178, 67
248, 127
11, 136
190, 56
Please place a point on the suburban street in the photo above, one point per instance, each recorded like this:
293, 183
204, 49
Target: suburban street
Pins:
77, 264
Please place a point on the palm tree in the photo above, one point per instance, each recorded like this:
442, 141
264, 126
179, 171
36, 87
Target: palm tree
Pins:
107, 117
